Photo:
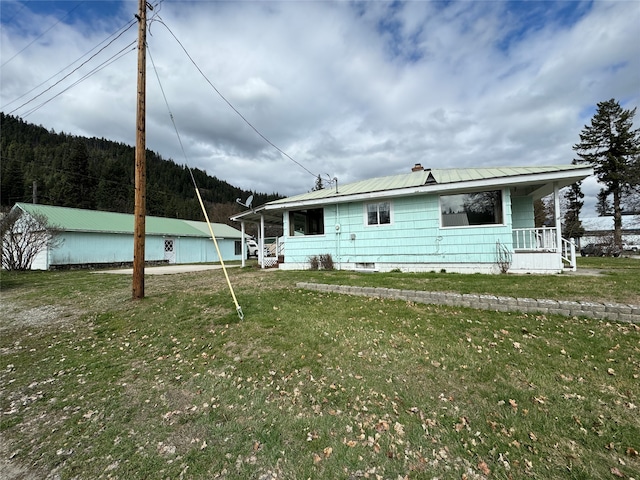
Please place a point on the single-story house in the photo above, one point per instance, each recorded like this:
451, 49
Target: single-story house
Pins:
458, 220
106, 238
600, 230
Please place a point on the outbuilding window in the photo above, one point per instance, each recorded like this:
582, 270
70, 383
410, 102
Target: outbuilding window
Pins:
378, 213
306, 222
472, 209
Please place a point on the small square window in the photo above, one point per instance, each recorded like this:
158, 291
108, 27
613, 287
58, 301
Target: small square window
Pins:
378, 213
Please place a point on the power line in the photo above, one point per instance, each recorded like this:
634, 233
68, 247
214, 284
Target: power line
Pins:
116, 57
72, 63
231, 105
42, 34
104, 64
202, 206
74, 70
172, 118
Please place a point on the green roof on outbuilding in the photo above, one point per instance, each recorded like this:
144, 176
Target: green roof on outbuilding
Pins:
80, 220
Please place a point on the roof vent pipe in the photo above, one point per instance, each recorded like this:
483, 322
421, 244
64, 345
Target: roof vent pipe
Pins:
417, 168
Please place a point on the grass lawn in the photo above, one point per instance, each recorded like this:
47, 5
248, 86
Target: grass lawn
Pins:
314, 385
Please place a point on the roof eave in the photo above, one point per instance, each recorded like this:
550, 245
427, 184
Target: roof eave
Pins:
566, 177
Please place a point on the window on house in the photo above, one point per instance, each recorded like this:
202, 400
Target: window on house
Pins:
378, 213
306, 222
237, 247
469, 209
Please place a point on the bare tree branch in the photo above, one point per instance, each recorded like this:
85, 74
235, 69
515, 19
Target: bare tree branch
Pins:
24, 236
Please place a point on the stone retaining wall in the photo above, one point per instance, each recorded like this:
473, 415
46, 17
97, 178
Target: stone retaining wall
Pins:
618, 312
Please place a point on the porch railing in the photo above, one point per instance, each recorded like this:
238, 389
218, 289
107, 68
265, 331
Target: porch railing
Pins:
541, 239
272, 252
544, 239
569, 253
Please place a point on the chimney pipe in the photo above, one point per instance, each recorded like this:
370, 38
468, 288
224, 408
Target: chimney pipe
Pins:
417, 168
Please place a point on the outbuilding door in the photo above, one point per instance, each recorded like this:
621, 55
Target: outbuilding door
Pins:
170, 250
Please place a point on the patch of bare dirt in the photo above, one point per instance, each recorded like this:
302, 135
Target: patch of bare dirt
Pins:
11, 470
15, 315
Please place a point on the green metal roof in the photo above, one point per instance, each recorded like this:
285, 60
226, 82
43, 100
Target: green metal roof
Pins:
79, 220
427, 177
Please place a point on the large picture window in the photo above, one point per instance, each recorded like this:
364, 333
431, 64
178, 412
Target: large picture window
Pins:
468, 209
378, 213
306, 222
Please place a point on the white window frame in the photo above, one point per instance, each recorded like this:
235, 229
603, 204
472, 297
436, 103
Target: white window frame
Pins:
483, 225
291, 226
365, 210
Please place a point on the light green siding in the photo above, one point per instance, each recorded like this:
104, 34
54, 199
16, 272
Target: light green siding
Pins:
80, 248
522, 211
414, 236
523, 217
93, 237
415, 240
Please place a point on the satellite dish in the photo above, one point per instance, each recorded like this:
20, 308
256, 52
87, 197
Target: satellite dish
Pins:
247, 204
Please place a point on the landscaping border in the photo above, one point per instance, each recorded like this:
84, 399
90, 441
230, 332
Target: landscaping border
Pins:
618, 312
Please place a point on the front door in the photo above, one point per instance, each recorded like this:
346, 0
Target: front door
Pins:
169, 250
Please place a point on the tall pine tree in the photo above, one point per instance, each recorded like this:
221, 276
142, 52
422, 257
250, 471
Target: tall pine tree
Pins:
603, 207
611, 146
572, 227
318, 185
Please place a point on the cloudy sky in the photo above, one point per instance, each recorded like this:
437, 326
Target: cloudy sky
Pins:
350, 90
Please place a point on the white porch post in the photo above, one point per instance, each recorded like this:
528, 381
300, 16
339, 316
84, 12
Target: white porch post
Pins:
243, 249
261, 246
558, 221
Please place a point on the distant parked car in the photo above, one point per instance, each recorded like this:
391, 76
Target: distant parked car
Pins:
591, 250
600, 250
627, 247
611, 250
252, 248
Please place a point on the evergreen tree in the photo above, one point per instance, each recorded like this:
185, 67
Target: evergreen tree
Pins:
97, 173
632, 194
319, 185
80, 181
611, 146
13, 183
539, 213
572, 225
603, 207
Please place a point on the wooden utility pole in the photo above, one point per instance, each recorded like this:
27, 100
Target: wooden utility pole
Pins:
139, 212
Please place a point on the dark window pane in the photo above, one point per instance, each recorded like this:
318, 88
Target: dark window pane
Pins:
372, 214
481, 208
306, 222
385, 212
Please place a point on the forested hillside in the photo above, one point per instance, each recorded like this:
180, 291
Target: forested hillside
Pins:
98, 174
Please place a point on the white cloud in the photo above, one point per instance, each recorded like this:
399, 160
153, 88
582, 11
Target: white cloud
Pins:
352, 90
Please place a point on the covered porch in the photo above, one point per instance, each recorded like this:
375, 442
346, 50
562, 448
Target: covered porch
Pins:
269, 254
542, 249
